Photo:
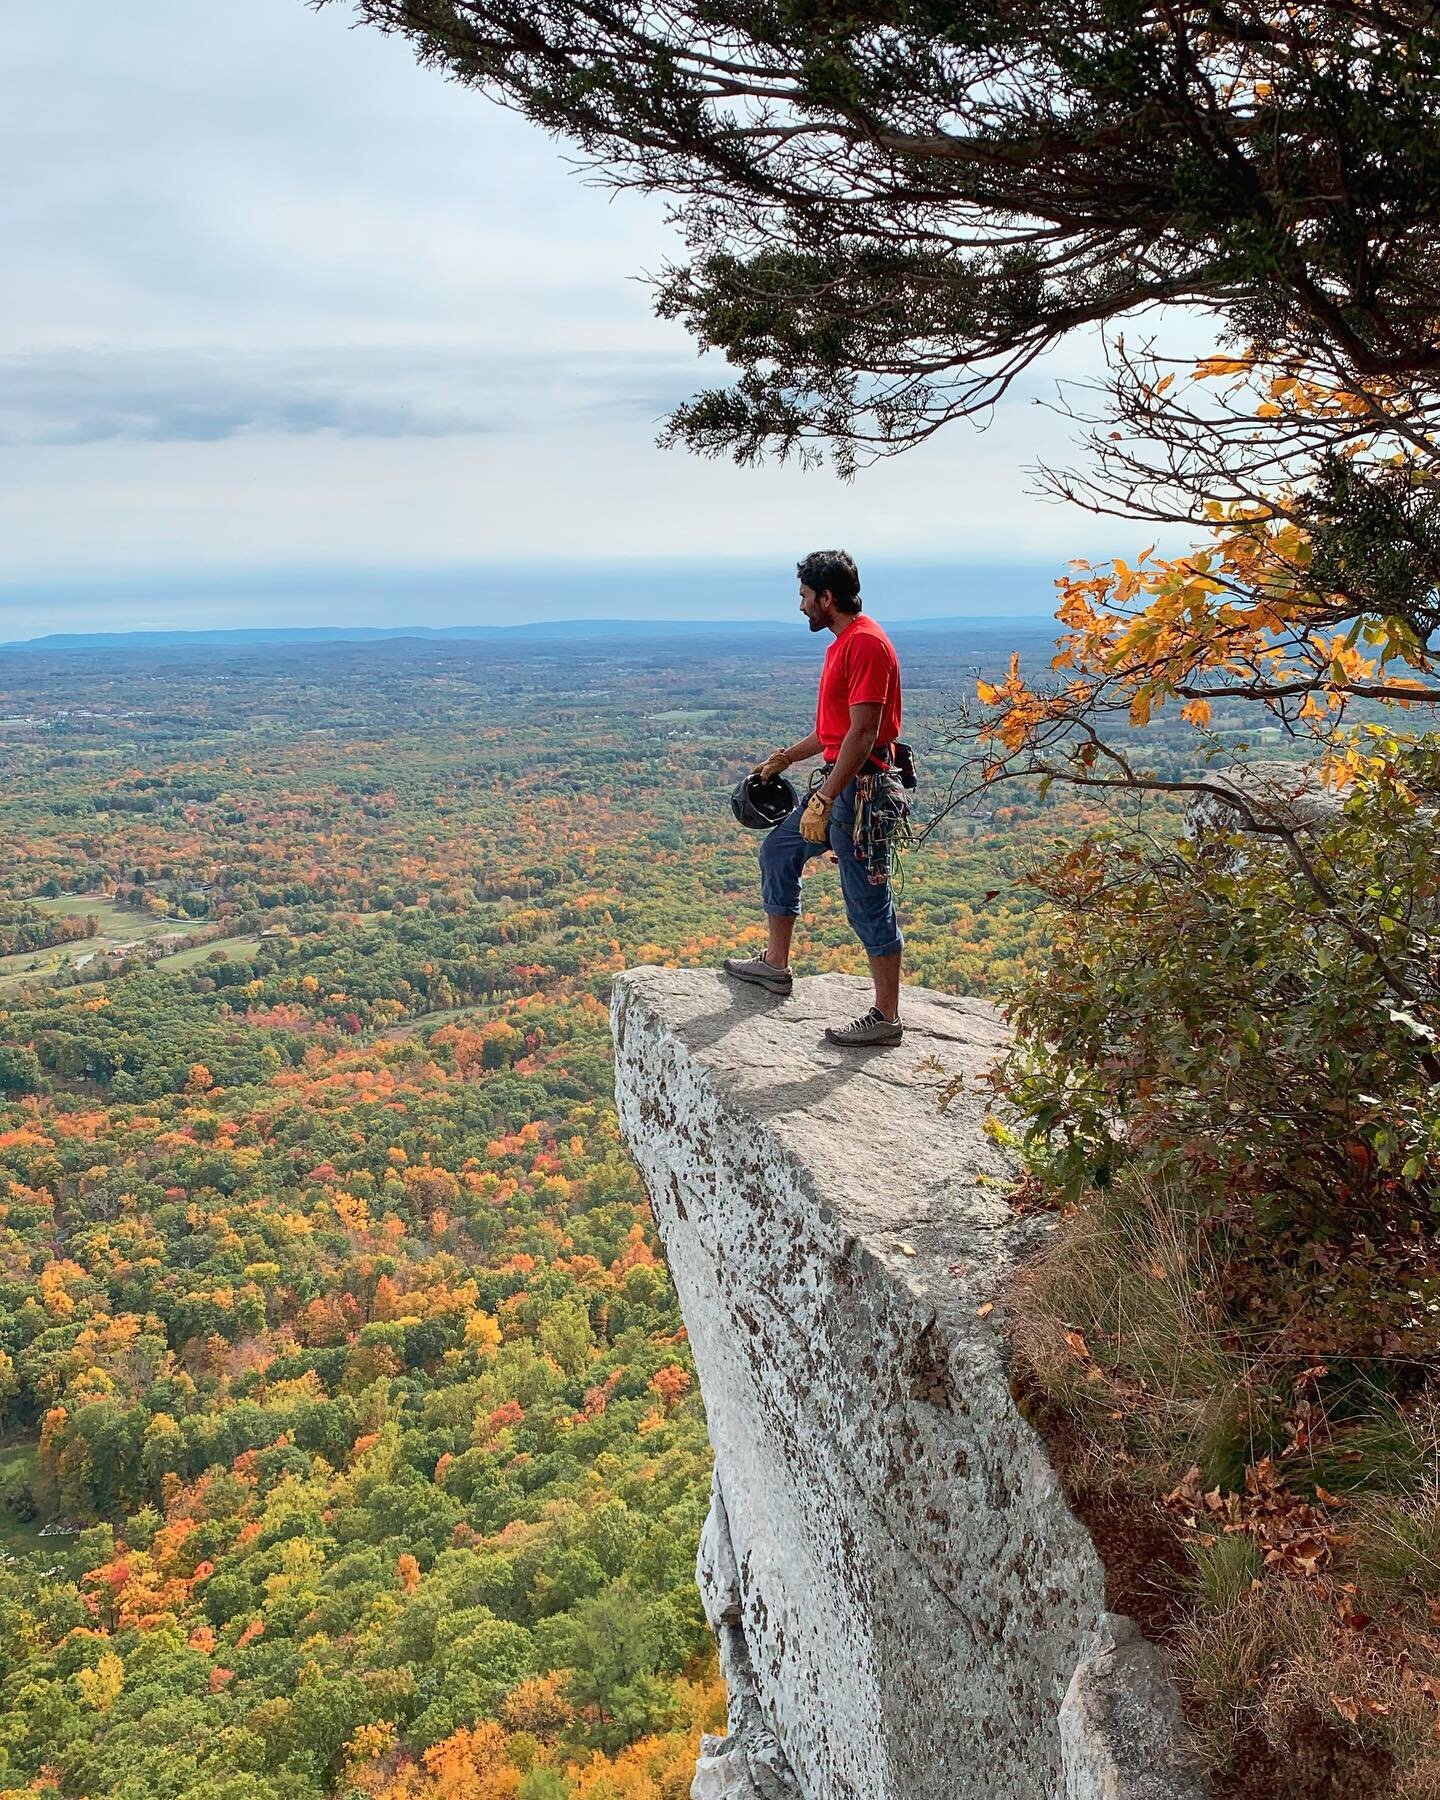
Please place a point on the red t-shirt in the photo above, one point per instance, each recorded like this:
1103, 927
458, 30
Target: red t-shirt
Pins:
861, 668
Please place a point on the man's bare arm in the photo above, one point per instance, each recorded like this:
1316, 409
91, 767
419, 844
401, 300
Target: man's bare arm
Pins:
808, 746
858, 743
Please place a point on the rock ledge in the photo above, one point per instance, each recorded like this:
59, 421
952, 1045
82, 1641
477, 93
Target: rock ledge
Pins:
906, 1607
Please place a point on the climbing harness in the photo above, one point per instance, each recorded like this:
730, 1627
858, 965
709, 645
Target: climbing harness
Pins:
882, 820
882, 823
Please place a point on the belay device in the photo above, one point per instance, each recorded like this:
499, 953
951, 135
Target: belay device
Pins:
761, 802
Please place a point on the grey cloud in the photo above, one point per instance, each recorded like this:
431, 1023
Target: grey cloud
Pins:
189, 396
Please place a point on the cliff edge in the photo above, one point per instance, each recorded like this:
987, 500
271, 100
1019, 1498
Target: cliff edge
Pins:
905, 1605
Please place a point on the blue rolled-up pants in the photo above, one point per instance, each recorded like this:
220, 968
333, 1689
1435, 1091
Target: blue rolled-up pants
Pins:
870, 906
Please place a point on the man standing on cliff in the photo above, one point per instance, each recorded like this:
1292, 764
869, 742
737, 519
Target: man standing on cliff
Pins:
855, 804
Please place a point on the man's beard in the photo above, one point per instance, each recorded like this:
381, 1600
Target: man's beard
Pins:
815, 624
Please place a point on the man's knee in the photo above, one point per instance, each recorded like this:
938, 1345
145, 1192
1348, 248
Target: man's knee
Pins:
878, 935
782, 861
870, 908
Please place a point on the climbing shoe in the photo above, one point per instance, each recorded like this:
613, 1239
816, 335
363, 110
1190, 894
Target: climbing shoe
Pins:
763, 974
871, 1031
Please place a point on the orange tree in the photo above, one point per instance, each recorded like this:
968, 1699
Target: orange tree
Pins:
1250, 1005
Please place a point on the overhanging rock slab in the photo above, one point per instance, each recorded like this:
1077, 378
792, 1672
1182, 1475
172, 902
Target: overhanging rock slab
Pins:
902, 1596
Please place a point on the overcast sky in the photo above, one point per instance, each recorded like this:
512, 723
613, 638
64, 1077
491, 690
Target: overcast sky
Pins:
281, 310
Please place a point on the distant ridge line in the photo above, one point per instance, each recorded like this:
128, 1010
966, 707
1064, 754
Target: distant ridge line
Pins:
541, 629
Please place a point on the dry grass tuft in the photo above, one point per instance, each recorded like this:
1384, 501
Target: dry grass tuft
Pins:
1112, 1319
1325, 1668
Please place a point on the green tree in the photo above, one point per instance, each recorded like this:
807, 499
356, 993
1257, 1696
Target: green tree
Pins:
610, 1645
565, 1335
19, 1069
544, 1784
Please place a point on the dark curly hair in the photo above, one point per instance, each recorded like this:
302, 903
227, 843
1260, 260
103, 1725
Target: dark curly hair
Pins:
835, 570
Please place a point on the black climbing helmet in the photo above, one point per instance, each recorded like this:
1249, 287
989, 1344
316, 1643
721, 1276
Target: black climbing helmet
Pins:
761, 803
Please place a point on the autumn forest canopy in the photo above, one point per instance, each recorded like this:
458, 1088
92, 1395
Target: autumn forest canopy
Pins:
350, 1435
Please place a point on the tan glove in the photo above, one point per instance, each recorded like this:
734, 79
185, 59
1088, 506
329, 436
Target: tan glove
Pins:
776, 763
815, 820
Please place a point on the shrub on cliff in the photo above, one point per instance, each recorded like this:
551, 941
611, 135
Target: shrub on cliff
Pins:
1212, 1018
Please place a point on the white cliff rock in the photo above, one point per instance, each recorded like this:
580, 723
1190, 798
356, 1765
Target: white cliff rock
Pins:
901, 1596
1122, 1736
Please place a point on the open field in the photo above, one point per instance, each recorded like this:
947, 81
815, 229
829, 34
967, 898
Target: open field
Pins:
115, 921
199, 953
119, 925
18, 1537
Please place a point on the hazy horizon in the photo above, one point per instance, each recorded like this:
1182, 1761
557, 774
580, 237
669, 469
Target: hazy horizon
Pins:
508, 596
